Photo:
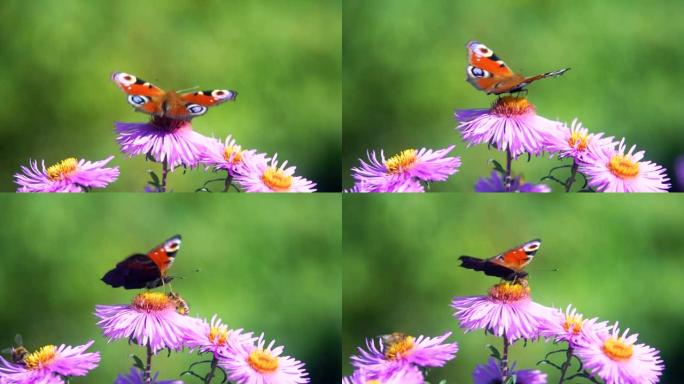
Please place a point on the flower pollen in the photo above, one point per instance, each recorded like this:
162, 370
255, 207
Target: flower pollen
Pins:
218, 335
62, 169
399, 348
509, 106
262, 361
573, 323
623, 167
509, 291
578, 140
40, 358
617, 349
401, 162
276, 179
152, 301
235, 151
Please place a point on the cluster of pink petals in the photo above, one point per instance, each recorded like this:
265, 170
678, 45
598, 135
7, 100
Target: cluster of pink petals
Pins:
404, 375
426, 352
236, 363
68, 361
491, 373
560, 141
86, 175
214, 156
557, 327
198, 337
429, 165
253, 177
515, 319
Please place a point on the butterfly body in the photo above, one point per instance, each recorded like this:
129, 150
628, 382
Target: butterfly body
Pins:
507, 265
145, 270
488, 73
148, 98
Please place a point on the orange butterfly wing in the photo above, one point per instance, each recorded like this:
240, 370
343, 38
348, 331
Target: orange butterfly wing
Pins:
144, 96
518, 257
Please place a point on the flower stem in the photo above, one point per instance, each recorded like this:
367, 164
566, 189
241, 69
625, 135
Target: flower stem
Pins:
229, 181
165, 173
507, 177
504, 360
148, 367
571, 179
566, 364
212, 371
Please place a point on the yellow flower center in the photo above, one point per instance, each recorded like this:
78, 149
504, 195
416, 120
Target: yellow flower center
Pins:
62, 169
509, 106
578, 140
401, 162
399, 348
573, 323
230, 150
40, 358
623, 167
262, 361
218, 335
507, 291
152, 301
617, 349
276, 179
373, 382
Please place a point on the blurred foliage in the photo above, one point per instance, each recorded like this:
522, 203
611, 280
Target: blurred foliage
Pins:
404, 74
260, 268
619, 259
284, 59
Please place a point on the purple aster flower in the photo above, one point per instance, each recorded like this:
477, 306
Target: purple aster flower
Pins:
268, 177
137, 377
69, 175
574, 141
613, 170
151, 319
569, 326
404, 375
394, 174
507, 311
495, 183
679, 171
617, 359
491, 373
510, 124
215, 337
399, 350
163, 139
229, 156
43, 365
251, 363
408, 185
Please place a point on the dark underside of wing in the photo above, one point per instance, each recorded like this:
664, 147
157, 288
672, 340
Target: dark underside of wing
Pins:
490, 268
137, 271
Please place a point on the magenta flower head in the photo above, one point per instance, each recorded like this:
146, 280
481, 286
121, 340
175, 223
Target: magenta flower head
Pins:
137, 377
151, 319
402, 172
491, 373
215, 337
679, 172
575, 141
569, 326
618, 359
408, 186
613, 170
163, 139
495, 183
507, 311
69, 175
260, 176
250, 363
45, 364
399, 350
404, 375
510, 124
229, 156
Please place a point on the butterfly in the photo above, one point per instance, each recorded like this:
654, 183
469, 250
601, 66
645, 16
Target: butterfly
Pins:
506, 265
148, 98
487, 72
145, 270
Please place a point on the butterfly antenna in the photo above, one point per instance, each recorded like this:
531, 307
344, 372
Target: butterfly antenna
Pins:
188, 89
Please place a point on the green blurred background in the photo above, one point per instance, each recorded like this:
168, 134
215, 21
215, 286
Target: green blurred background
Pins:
284, 58
619, 258
262, 268
404, 74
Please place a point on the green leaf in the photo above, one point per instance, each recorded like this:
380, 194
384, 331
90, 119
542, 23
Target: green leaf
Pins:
138, 363
155, 178
494, 352
511, 380
497, 166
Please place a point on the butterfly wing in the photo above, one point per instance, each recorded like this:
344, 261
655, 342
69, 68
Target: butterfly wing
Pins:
143, 95
486, 70
490, 268
518, 257
136, 271
197, 103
